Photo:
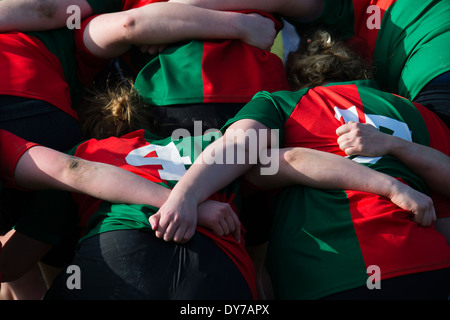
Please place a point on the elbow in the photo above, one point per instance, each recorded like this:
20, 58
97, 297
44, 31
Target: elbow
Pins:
128, 22
290, 156
75, 172
127, 27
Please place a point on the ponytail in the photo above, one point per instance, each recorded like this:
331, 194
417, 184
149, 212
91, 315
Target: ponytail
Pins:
321, 60
115, 112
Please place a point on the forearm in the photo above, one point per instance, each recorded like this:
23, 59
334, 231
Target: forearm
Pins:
226, 159
114, 184
323, 170
429, 164
210, 172
36, 15
301, 9
110, 35
44, 168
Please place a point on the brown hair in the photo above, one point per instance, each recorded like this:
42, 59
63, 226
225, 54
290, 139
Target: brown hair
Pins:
321, 59
113, 111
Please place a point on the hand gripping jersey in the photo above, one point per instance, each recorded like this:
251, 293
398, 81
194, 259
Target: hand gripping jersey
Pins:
324, 241
163, 162
408, 41
11, 149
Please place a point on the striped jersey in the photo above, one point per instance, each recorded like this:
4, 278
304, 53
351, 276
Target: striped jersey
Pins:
408, 41
324, 241
163, 161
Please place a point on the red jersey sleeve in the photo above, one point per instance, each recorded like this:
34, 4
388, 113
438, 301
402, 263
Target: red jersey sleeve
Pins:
11, 150
439, 140
88, 64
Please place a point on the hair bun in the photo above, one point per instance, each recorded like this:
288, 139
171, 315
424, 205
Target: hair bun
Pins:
120, 108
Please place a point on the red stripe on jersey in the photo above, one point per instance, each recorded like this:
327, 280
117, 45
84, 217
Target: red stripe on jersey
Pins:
439, 140
365, 38
101, 151
310, 125
28, 69
389, 239
112, 151
233, 71
12, 148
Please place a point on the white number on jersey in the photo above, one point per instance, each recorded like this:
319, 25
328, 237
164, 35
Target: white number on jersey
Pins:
168, 156
398, 128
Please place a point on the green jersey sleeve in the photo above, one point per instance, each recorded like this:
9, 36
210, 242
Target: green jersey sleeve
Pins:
261, 108
270, 109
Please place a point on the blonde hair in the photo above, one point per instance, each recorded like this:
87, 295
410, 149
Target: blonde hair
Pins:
321, 60
113, 112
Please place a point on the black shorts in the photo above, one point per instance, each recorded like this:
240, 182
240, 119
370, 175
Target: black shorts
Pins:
184, 116
431, 285
436, 97
40, 122
136, 265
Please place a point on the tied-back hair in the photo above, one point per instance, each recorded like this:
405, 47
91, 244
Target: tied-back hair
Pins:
114, 111
322, 60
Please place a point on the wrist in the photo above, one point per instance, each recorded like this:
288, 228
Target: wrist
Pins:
394, 188
182, 194
395, 145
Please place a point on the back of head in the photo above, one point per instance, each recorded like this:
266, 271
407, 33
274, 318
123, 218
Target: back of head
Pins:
113, 112
320, 59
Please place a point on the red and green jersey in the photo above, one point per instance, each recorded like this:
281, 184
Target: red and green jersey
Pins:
11, 149
226, 71
323, 241
42, 65
408, 41
163, 162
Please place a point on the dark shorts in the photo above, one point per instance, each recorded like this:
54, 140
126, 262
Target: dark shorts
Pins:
431, 285
184, 116
136, 265
40, 122
436, 97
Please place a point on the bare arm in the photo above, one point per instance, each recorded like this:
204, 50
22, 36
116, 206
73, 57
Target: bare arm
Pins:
302, 9
429, 164
37, 15
311, 168
110, 35
176, 219
324, 170
43, 168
